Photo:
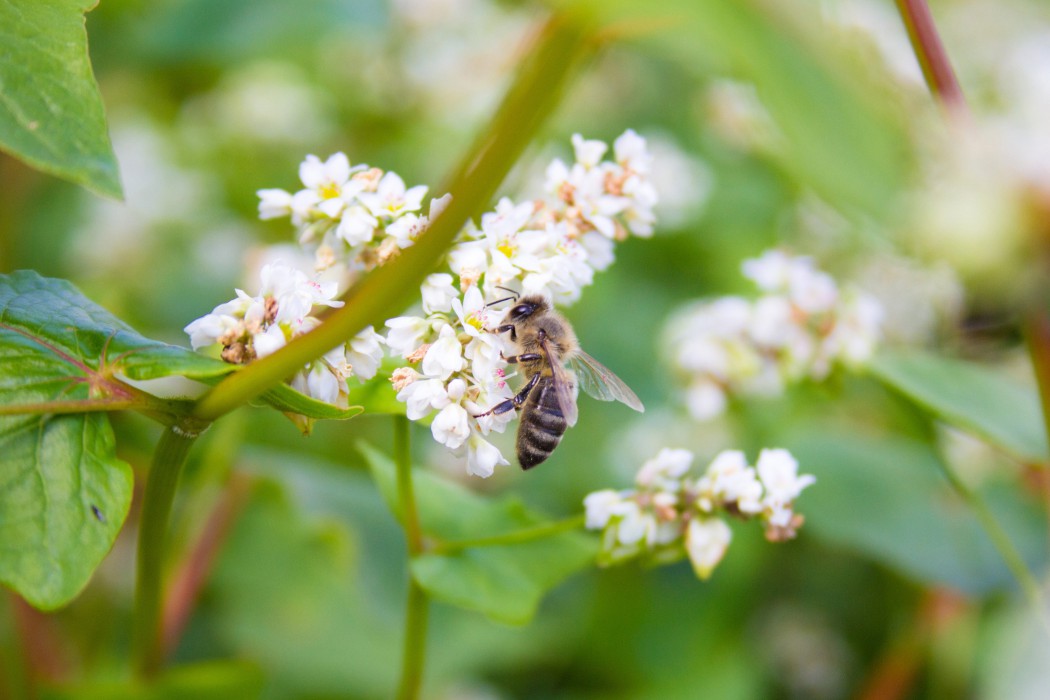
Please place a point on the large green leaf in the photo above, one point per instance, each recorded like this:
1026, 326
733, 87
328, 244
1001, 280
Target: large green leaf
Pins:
63, 498
837, 137
51, 112
505, 582
971, 397
888, 498
63, 493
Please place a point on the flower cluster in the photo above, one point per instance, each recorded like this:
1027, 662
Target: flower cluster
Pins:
800, 327
250, 327
353, 216
455, 369
350, 218
669, 513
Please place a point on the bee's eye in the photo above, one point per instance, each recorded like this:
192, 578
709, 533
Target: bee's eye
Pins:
522, 310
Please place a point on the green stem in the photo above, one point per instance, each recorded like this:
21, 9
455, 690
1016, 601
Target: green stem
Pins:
516, 537
1002, 543
416, 607
416, 613
163, 477
406, 494
387, 290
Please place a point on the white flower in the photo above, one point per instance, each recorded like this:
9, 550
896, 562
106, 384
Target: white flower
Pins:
482, 456
631, 152
406, 334
327, 178
438, 293
391, 200
324, 379
421, 396
729, 480
406, 229
771, 272
705, 400
274, 203
811, 290
445, 355
588, 153
634, 525
451, 426
471, 312
601, 506
771, 321
269, 341
706, 541
664, 471
778, 471
356, 226
207, 329
364, 352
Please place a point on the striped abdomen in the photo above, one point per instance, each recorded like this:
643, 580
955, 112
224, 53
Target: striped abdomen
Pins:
541, 424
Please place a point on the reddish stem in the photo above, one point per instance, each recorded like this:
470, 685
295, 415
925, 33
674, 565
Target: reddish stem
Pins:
46, 653
193, 573
933, 59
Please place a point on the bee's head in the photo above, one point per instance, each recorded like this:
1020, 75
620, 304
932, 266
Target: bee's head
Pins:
526, 307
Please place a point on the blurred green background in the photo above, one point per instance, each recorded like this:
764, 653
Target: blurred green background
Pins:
803, 124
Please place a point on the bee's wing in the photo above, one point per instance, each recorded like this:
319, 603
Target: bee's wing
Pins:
600, 382
561, 384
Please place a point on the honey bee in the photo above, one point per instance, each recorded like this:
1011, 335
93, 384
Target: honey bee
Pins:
544, 343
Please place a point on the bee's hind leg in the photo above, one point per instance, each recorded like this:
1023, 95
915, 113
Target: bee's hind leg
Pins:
514, 402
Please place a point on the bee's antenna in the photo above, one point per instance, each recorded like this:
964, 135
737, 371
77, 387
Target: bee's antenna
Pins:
514, 296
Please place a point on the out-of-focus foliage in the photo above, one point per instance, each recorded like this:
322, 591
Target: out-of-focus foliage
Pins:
803, 125
52, 114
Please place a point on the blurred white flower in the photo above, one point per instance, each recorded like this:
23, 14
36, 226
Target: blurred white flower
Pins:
670, 514
778, 471
706, 542
799, 328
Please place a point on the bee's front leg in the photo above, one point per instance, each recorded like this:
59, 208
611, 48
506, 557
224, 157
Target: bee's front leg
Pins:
524, 357
505, 328
514, 402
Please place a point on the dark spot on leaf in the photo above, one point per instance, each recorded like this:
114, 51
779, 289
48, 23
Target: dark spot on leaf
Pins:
98, 514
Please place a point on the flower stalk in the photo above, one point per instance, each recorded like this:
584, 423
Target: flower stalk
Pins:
168, 459
417, 603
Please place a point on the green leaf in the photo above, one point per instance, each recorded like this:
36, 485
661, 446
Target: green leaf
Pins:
971, 397
51, 112
505, 582
285, 398
210, 680
838, 139
58, 340
63, 338
63, 498
888, 498
64, 494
